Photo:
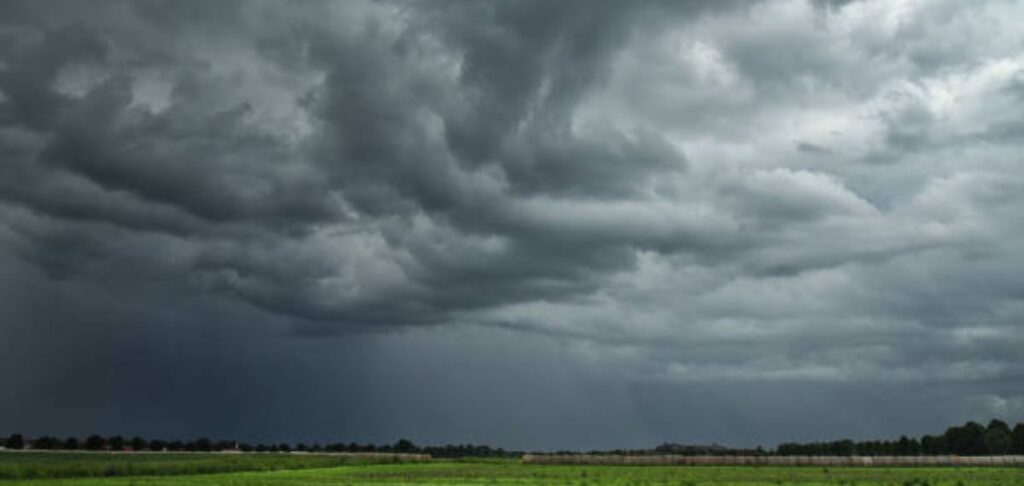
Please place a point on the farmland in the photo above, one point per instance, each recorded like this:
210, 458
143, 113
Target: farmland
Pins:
294, 469
57, 465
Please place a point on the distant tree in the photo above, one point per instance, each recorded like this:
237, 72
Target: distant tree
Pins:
997, 438
46, 443
404, 445
907, 446
903, 446
15, 441
137, 443
116, 443
975, 438
175, 445
954, 440
94, 443
998, 424
202, 444
931, 445
71, 444
1017, 439
842, 448
284, 447
968, 440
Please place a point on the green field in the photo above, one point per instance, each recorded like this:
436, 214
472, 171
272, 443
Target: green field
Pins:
283, 469
49, 465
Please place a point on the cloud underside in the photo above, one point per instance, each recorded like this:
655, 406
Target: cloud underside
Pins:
687, 192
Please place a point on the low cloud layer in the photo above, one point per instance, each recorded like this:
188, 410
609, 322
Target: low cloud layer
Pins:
667, 205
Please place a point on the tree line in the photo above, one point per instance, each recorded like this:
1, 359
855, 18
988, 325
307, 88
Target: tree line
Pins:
970, 439
118, 443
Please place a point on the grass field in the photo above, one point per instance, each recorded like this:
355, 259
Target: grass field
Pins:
49, 465
174, 469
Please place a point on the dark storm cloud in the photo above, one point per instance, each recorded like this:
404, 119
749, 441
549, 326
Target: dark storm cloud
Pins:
650, 195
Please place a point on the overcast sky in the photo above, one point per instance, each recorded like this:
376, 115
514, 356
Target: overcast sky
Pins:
531, 224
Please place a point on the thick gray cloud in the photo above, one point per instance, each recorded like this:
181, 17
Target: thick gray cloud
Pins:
339, 221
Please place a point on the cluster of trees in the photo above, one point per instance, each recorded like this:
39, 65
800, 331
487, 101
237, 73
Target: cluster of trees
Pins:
706, 450
402, 446
467, 450
118, 443
970, 439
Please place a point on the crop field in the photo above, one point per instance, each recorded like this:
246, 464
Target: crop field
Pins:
285, 469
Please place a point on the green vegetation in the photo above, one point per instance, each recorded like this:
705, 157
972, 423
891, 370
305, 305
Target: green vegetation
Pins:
498, 472
30, 465
970, 439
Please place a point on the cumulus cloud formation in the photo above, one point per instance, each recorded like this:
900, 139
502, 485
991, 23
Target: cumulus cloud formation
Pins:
681, 194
